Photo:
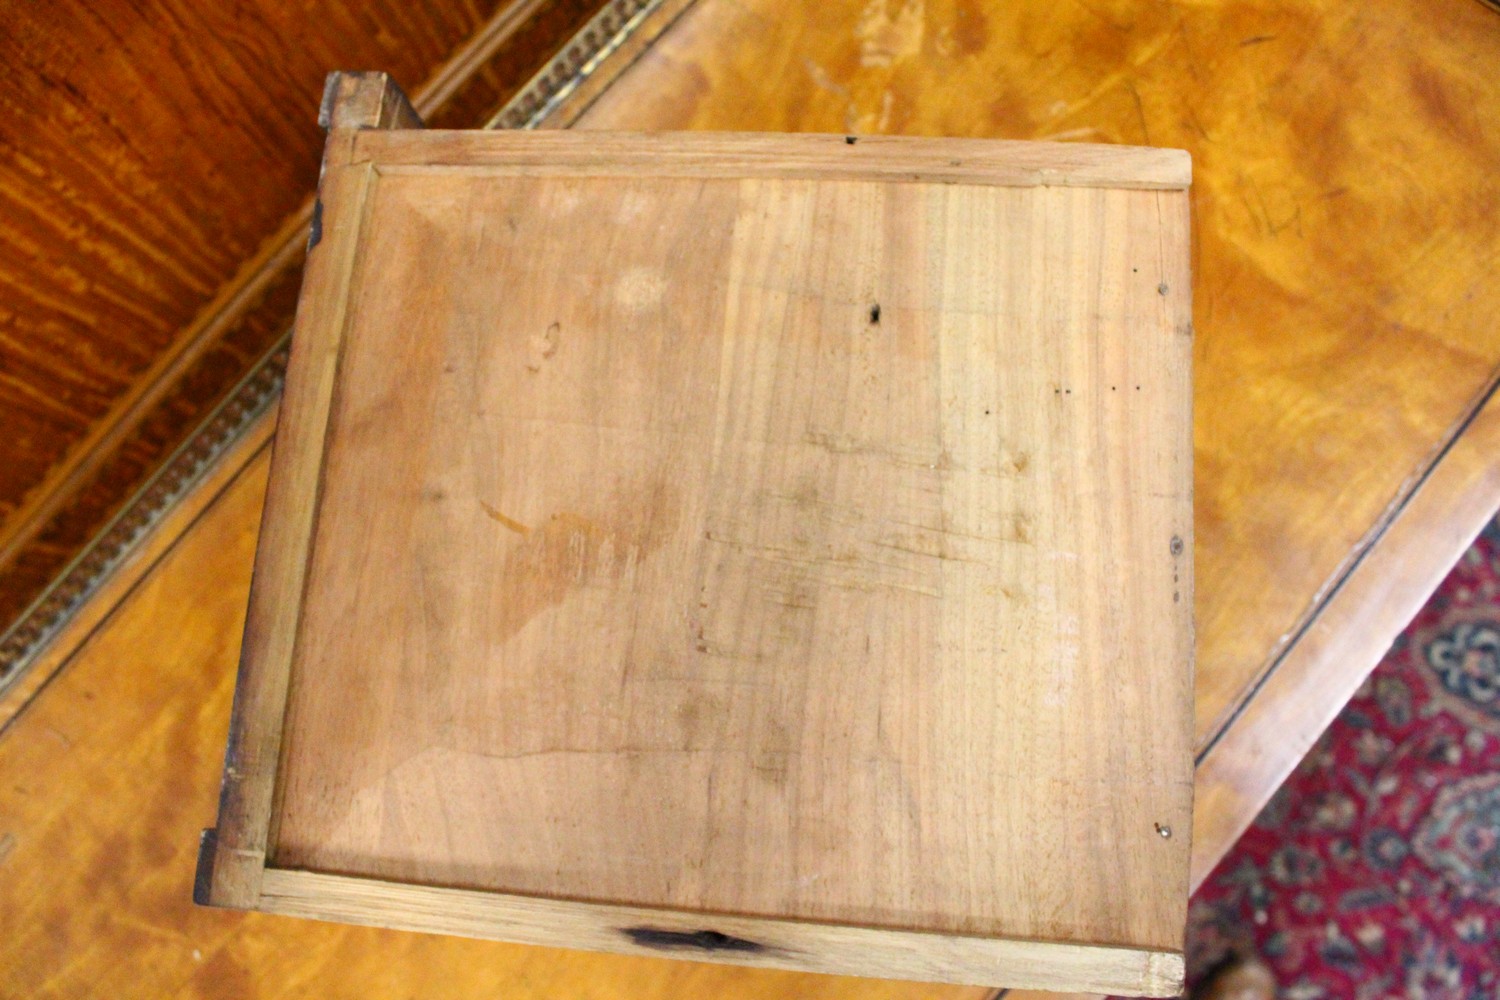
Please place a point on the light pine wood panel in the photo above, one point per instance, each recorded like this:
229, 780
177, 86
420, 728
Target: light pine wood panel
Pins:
821, 485
1343, 173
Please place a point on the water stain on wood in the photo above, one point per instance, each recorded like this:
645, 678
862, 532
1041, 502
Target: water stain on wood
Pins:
889, 35
971, 30
569, 550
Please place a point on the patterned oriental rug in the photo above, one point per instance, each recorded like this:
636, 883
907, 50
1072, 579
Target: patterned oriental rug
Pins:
1375, 871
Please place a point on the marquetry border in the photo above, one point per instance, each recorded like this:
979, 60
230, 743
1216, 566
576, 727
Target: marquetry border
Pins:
182, 470
554, 96
606, 33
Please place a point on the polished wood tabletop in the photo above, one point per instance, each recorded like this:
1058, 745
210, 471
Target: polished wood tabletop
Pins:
1346, 359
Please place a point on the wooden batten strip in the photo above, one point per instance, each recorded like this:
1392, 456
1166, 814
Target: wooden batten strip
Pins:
815, 157
739, 940
254, 749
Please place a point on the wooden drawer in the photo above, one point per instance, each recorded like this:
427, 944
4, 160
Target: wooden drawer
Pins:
763, 549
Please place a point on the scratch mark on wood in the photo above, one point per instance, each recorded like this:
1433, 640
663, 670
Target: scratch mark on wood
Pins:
543, 346
509, 522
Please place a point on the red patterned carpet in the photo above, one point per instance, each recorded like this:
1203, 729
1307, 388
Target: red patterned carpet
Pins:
1375, 871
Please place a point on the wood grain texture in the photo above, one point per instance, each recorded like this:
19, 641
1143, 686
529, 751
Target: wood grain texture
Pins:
108, 774
1328, 363
145, 212
828, 483
134, 186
